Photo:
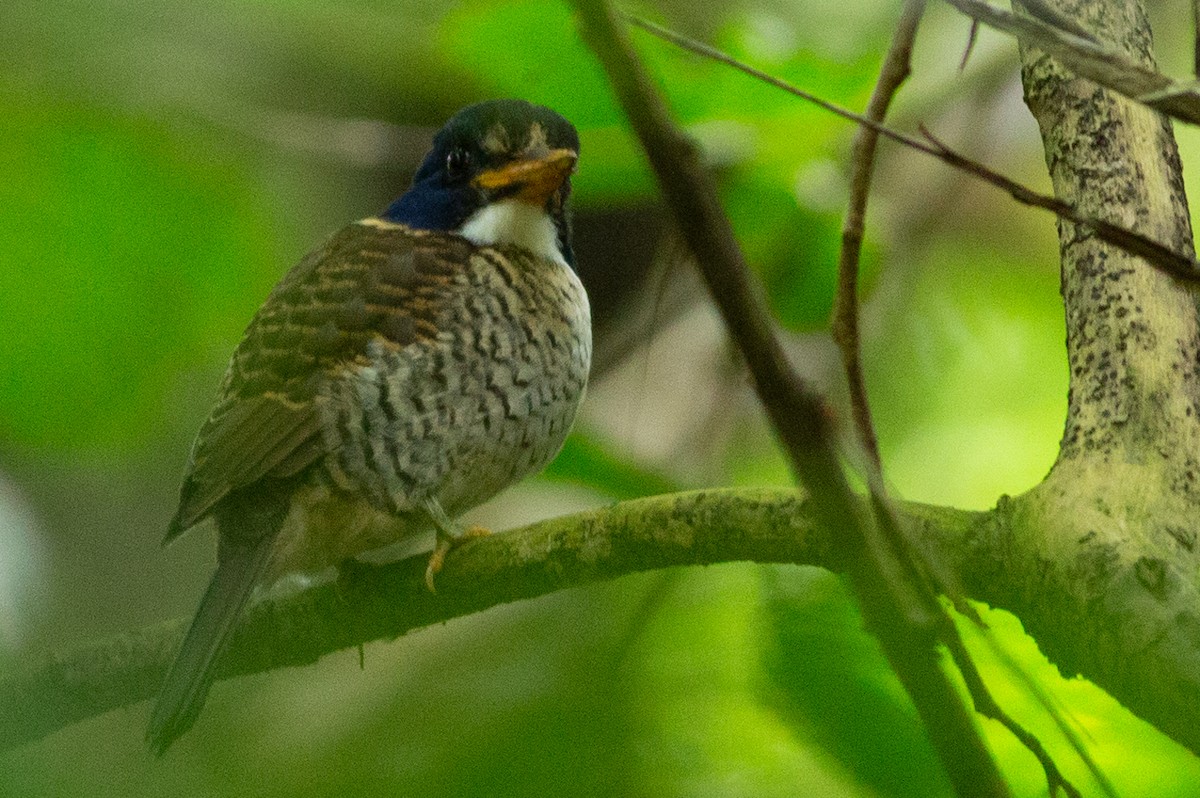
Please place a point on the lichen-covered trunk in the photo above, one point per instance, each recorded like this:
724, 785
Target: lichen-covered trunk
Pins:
1101, 559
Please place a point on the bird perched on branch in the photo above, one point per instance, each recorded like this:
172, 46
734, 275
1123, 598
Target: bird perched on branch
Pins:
408, 369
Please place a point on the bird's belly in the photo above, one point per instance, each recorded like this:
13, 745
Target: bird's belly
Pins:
326, 526
463, 456
461, 465
502, 446
457, 431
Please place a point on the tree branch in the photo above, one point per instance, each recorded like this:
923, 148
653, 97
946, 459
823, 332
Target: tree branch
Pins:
1149, 603
892, 74
1180, 265
896, 598
385, 602
1111, 531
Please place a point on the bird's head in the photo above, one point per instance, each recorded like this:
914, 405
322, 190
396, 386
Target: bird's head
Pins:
499, 173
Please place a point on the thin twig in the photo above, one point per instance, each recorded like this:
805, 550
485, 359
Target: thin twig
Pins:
985, 704
1158, 255
1040, 9
900, 611
972, 37
981, 697
894, 72
1057, 714
922, 566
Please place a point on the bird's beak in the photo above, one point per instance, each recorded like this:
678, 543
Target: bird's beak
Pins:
530, 180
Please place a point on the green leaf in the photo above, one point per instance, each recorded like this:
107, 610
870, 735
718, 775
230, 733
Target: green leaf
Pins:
829, 679
1135, 757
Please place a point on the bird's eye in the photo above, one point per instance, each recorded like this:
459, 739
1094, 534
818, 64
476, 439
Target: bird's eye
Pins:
457, 161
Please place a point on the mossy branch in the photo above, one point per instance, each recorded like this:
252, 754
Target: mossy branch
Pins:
385, 602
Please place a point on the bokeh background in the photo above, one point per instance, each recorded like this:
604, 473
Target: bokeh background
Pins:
163, 162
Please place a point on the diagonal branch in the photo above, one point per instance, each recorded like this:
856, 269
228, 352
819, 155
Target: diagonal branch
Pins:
897, 603
894, 72
986, 704
1050, 15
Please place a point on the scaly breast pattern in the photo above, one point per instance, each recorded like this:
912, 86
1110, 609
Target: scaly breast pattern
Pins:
485, 400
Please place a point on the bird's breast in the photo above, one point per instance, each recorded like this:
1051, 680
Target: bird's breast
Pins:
465, 413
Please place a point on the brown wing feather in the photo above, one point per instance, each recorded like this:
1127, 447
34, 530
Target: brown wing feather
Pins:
367, 281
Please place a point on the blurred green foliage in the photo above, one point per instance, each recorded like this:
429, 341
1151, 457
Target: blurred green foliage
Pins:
587, 461
149, 202
121, 258
971, 312
827, 678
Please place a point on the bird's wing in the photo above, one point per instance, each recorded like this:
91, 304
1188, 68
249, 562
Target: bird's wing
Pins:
371, 280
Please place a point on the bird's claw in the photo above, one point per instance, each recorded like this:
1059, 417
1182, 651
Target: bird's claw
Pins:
446, 543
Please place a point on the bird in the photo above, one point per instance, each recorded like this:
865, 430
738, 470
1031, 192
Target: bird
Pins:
408, 369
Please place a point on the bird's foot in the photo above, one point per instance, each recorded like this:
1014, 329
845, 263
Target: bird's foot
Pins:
446, 542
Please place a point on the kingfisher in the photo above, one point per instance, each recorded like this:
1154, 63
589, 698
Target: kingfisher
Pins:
411, 367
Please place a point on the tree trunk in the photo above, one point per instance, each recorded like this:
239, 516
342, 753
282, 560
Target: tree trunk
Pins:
1100, 559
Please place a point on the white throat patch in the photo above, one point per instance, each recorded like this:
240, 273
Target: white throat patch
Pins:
514, 222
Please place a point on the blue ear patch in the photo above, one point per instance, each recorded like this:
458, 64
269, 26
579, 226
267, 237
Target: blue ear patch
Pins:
432, 205
426, 210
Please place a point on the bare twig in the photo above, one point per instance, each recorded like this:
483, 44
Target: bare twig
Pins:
894, 72
900, 610
985, 704
1162, 257
1158, 255
972, 37
1057, 714
1088, 58
981, 696
1055, 18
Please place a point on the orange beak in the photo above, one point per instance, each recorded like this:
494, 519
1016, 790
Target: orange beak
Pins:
535, 178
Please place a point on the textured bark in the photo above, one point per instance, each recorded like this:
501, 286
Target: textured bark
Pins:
1100, 560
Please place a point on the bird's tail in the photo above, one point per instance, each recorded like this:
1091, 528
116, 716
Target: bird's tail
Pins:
191, 674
